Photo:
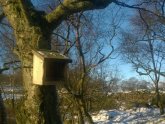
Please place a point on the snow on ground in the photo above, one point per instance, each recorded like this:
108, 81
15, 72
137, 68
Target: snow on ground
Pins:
132, 116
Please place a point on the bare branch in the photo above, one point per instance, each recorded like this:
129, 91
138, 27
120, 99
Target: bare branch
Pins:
137, 6
11, 62
105, 57
3, 69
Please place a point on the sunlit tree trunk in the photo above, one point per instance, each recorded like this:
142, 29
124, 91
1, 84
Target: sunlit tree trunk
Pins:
41, 102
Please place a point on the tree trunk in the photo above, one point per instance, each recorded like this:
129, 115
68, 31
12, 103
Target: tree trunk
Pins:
41, 102
80, 116
40, 105
159, 101
3, 116
81, 106
161, 108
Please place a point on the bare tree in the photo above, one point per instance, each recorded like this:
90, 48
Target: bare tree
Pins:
146, 51
89, 54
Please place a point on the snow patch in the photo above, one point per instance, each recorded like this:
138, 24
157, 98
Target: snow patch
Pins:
131, 116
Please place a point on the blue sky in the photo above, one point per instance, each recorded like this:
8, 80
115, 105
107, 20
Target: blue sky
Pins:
126, 70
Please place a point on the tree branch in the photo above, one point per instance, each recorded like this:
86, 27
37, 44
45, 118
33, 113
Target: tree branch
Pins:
21, 13
137, 6
3, 69
68, 7
26, 6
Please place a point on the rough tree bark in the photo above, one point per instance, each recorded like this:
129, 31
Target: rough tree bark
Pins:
3, 115
32, 30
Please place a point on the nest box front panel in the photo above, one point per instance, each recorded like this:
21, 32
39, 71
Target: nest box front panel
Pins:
38, 70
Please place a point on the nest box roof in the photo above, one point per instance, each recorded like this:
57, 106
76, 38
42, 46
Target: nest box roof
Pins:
47, 54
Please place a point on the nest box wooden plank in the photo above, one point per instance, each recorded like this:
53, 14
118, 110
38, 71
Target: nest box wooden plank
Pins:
49, 67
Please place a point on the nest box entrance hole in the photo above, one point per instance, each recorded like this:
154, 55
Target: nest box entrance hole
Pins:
55, 70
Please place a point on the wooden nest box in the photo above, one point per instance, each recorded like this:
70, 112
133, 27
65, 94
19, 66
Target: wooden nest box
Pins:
49, 67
